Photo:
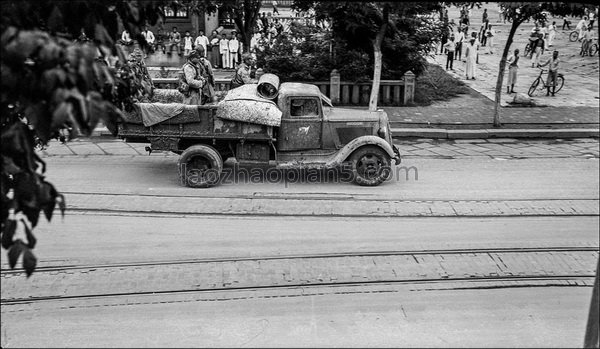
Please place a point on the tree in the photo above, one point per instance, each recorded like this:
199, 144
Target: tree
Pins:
520, 12
49, 81
398, 33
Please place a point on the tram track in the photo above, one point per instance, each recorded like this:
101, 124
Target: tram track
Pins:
343, 205
506, 267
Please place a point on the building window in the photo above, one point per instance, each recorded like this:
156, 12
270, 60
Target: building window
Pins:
225, 19
177, 12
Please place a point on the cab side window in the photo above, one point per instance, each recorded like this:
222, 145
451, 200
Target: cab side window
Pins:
304, 107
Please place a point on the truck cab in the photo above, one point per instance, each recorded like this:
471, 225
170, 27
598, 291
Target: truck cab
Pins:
316, 134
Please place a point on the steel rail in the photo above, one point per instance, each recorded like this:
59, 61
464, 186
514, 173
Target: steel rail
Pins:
310, 256
30, 300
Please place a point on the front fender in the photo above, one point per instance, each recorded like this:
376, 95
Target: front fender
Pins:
356, 143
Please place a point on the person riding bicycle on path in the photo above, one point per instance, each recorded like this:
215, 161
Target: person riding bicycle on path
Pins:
533, 38
552, 63
538, 50
583, 23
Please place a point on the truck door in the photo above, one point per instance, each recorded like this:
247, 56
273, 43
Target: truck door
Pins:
301, 128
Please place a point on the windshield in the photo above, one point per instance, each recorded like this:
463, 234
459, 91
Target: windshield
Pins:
327, 106
326, 100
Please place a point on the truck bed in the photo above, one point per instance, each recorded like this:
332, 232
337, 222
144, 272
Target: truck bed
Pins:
189, 125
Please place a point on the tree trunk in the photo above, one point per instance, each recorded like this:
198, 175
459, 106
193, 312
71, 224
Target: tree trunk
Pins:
377, 69
245, 18
511, 34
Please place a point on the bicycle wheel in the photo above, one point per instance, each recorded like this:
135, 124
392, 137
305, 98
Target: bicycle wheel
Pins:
560, 81
527, 49
533, 87
573, 36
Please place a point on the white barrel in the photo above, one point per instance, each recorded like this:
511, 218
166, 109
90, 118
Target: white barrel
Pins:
268, 86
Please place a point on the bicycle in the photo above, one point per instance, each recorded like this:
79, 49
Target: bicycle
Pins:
527, 50
593, 48
574, 36
536, 88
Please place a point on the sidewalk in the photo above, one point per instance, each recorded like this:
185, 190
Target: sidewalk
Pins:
574, 112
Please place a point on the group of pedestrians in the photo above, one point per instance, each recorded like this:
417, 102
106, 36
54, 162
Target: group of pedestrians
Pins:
460, 45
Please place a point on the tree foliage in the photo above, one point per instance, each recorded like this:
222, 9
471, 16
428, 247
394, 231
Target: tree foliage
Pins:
411, 34
51, 81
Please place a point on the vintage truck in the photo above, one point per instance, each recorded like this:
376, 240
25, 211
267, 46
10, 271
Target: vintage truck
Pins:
311, 134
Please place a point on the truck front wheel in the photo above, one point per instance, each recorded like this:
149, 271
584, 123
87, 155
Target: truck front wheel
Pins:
370, 166
200, 166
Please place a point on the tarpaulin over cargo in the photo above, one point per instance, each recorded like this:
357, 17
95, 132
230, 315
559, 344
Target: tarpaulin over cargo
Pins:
154, 113
244, 104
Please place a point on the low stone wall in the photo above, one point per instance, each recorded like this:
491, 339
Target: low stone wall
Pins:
391, 92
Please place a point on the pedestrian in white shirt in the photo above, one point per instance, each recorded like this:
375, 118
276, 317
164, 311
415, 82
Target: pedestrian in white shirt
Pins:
149, 37
224, 51
551, 34
234, 47
203, 41
126, 38
513, 67
490, 34
582, 23
187, 43
450, 47
459, 38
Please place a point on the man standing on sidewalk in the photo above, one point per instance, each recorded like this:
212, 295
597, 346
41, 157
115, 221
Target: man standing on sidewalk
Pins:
513, 66
551, 34
202, 40
552, 72
450, 47
490, 34
471, 56
460, 37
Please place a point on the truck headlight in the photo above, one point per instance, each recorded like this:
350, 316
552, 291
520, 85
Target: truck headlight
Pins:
382, 132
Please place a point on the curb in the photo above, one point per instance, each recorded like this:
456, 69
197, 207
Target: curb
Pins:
442, 133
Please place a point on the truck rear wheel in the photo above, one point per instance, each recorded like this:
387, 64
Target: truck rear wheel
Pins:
200, 166
370, 166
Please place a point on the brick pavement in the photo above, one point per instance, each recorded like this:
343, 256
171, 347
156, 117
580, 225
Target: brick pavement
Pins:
575, 106
459, 148
581, 73
285, 271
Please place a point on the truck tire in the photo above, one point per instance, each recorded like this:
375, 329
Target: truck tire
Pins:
200, 166
370, 165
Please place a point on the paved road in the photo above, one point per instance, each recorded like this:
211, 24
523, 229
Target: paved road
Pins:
398, 317
129, 210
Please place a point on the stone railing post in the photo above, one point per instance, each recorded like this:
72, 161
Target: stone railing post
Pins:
334, 87
409, 87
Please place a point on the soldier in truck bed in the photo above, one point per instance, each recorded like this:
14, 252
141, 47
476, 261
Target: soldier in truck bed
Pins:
242, 74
